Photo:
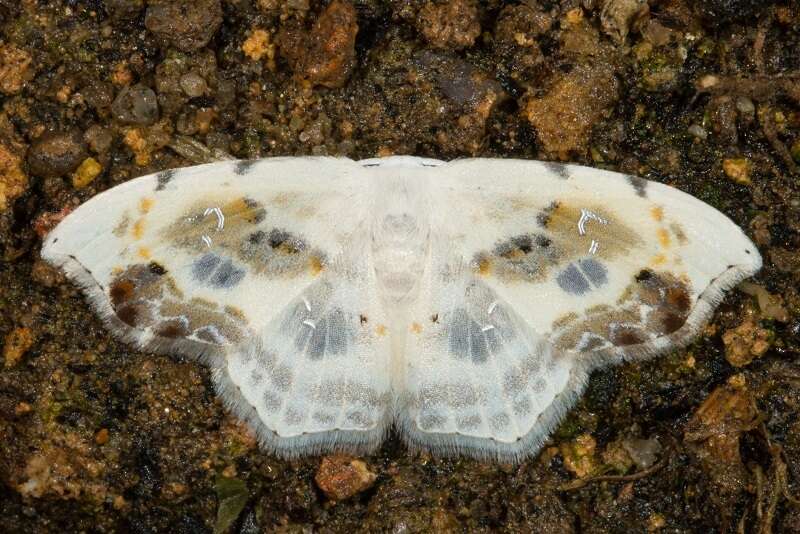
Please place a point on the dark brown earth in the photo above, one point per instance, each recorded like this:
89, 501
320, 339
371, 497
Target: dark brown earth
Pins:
703, 95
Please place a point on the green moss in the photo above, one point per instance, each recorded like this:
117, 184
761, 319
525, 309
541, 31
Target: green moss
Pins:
232, 496
795, 150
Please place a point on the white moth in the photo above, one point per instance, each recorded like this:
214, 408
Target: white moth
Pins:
463, 303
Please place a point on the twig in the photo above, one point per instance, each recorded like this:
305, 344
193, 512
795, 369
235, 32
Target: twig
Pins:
759, 473
769, 517
759, 88
760, 40
581, 482
771, 133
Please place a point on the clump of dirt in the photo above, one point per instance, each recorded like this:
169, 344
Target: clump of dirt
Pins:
326, 54
715, 433
187, 25
746, 342
13, 180
341, 477
15, 69
451, 25
563, 118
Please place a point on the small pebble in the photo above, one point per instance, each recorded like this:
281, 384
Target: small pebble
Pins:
99, 139
99, 95
15, 69
738, 170
643, 452
454, 24
698, 131
193, 85
745, 105
22, 408
101, 438
575, 15
119, 502
618, 16
136, 105
187, 25
138, 145
656, 521
795, 151
86, 173
258, 45
579, 455
16, 344
341, 477
745, 343
56, 154
124, 9
713, 435
13, 181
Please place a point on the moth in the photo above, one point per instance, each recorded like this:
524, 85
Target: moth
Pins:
463, 303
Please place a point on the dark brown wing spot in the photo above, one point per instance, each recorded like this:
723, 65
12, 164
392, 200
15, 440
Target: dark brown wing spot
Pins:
678, 298
121, 291
128, 315
172, 329
626, 336
672, 322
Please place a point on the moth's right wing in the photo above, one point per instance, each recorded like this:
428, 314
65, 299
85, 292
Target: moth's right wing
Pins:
538, 274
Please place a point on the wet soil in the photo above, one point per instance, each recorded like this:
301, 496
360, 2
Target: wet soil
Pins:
704, 96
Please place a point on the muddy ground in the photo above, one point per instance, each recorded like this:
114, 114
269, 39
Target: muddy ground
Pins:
702, 95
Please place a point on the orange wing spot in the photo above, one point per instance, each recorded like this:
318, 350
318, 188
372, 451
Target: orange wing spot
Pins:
145, 205
658, 259
138, 229
315, 265
657, 213
244, 209
144, 252
484, 267
663, 237
380, 330
416, 328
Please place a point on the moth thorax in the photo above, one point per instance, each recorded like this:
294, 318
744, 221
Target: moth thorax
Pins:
399, 246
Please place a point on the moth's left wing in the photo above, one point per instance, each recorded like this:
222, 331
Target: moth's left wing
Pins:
539, 273
260, 270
